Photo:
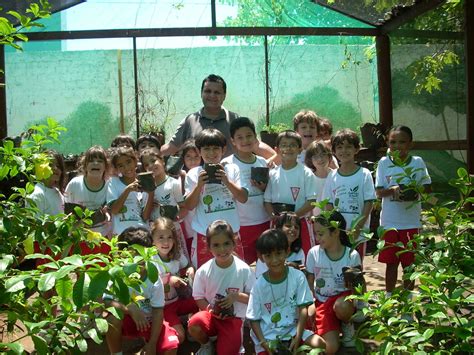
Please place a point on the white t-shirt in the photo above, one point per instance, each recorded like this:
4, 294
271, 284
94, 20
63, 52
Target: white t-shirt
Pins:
215, 200
276, 305
151, 295
210, 279
78, 192
131, 212
400, 214
168, 269
348, 193
328, 275
261, 267
49, 200
252, 212
168, 193
294, 186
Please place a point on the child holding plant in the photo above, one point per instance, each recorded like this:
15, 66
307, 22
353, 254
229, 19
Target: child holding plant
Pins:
278, 302
401, 206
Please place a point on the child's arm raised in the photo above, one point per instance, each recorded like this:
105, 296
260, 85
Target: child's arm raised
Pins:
239, 193
192, 199
117, 205
149, 206
156, 325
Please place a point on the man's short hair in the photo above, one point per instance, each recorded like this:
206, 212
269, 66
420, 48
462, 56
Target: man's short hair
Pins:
240, 122
345, 135
213, 78
272, 240
135, 235
210, 137
289, 134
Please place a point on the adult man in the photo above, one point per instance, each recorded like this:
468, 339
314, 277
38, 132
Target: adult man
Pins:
212, 115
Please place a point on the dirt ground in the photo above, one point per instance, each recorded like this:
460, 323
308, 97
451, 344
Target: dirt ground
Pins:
374, 275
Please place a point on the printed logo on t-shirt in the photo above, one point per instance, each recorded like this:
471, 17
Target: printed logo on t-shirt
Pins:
295, 191
268, 306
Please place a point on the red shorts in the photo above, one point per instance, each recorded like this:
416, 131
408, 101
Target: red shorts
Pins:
102, 248
168, 339
228, 331
392, 254
203, 254
326, 319
249, 236
178, 308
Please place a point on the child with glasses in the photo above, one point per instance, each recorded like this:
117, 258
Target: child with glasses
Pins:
292, 186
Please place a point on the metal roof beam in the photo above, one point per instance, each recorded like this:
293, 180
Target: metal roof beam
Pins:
412, 12
203, 31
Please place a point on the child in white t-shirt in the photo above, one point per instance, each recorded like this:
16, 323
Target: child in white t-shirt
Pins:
324, 265
166, 200
292, 184
221, 289
143, 317
291, 226
401, 213
254, 219
278, 302
215, 199
124, 195
171, 262
350, 189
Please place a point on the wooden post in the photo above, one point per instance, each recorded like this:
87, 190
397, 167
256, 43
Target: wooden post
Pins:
469, 63
267, 85
135, 76
384, 75
122, 118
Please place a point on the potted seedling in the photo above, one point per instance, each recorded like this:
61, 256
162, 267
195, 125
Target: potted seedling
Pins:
269, 133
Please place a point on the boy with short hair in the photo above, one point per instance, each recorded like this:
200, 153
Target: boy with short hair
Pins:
144, 316
350, 188
277, 307
215, 200
254, 219
306, 124
292, 183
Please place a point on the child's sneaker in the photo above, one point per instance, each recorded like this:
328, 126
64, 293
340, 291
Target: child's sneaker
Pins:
206, 349
348, 334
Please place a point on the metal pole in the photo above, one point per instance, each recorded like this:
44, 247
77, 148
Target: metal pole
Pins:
469, 58
213, 13
135, 74
3, 94
267, 85
119, 64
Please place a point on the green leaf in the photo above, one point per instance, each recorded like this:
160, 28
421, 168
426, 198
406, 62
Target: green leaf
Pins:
41, 346
81, 290
74, 260
428, 333
64, 271
16, 348
462, 172
130, 268
102, 325
94, 336
46, 282
81, 344
98, 285
64, 288
16, 283
152, 271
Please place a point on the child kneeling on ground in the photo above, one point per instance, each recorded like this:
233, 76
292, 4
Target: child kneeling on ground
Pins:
278, 302
143, 317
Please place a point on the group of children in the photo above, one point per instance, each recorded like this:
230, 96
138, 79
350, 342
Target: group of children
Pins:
223, 219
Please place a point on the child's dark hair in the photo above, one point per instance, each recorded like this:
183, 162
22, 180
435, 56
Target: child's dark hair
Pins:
210, 137
337, 217
135, 235
150, 152
94, 152
306, 116
166, 223
59, 160
325, 126
345, 135
123, 140
149, 137
289, 134
213, 78
272, 240
316, 148
218, 227
120, 151
290, 218
401, 128
240, 122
